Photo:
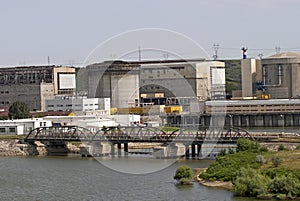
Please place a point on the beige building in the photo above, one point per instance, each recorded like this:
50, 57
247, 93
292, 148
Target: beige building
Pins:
118, 80
34, 84
279, 74
181, 78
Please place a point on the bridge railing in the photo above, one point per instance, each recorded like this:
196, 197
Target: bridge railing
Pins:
135, 133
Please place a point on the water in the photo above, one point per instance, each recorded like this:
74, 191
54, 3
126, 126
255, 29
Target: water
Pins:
75, 178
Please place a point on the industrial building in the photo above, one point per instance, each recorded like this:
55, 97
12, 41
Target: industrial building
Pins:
70, 103
127, 82
183, 78
277, 76
34, 84
118, 80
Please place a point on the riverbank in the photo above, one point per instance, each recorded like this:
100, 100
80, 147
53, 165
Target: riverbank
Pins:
257, 172
13, 147
218, 184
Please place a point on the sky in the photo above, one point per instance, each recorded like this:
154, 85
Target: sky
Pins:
67, 31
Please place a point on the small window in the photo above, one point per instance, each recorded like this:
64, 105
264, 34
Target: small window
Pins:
41, 123
12, 130
2, 130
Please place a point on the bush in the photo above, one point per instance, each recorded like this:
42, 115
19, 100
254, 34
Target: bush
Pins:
298, 147
276, 161
247, 145
281, 148
288, 185
260, 159
222, 152
231, 151
225, 167
184, 174
250, 182
263, 149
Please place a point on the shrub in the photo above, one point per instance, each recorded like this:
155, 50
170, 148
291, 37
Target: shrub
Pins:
250, 182
225, 167
260, 159
281, 148
222, 152
288, 185
231, 151
298, 147
247, 145
263, 149
276, 161
184, 173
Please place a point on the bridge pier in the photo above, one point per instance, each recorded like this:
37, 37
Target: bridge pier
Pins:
193, 150
199, 150
119, 145
187, 151
171, 151
126, 148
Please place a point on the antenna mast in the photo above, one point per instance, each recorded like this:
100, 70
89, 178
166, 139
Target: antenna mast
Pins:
140, 55
216, 48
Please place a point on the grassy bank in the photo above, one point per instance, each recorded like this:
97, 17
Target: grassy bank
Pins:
255, 172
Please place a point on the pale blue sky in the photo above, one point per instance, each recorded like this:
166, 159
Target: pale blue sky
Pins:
68, 30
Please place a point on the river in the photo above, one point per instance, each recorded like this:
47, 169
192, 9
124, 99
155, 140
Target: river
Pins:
76, 178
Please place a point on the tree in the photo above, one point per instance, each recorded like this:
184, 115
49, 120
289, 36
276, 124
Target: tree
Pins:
250, 182
285, 184
184, 174
247, 145
18, 110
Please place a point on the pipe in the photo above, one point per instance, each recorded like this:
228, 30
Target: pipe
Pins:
279, 77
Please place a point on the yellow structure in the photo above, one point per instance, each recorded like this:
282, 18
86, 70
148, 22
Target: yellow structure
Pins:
173, 109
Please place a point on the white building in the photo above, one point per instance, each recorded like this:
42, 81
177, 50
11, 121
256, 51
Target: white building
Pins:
63, 103
127, 119
22, 126
91, 122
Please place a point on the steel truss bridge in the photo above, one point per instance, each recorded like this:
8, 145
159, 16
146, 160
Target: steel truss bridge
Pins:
135, 134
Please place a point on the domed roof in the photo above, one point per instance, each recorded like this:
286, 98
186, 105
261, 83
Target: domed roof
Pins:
286, 55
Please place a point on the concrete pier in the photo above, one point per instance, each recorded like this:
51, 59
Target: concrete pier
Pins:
172, 151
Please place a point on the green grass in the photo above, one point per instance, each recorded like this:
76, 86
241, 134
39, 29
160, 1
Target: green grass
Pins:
11, 137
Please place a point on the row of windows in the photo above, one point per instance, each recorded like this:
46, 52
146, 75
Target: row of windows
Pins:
10, 130
4, 92
4, 103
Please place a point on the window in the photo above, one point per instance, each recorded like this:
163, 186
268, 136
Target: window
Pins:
69, 105
44, 123
12, 130
2, 130
41, 124
50, 105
